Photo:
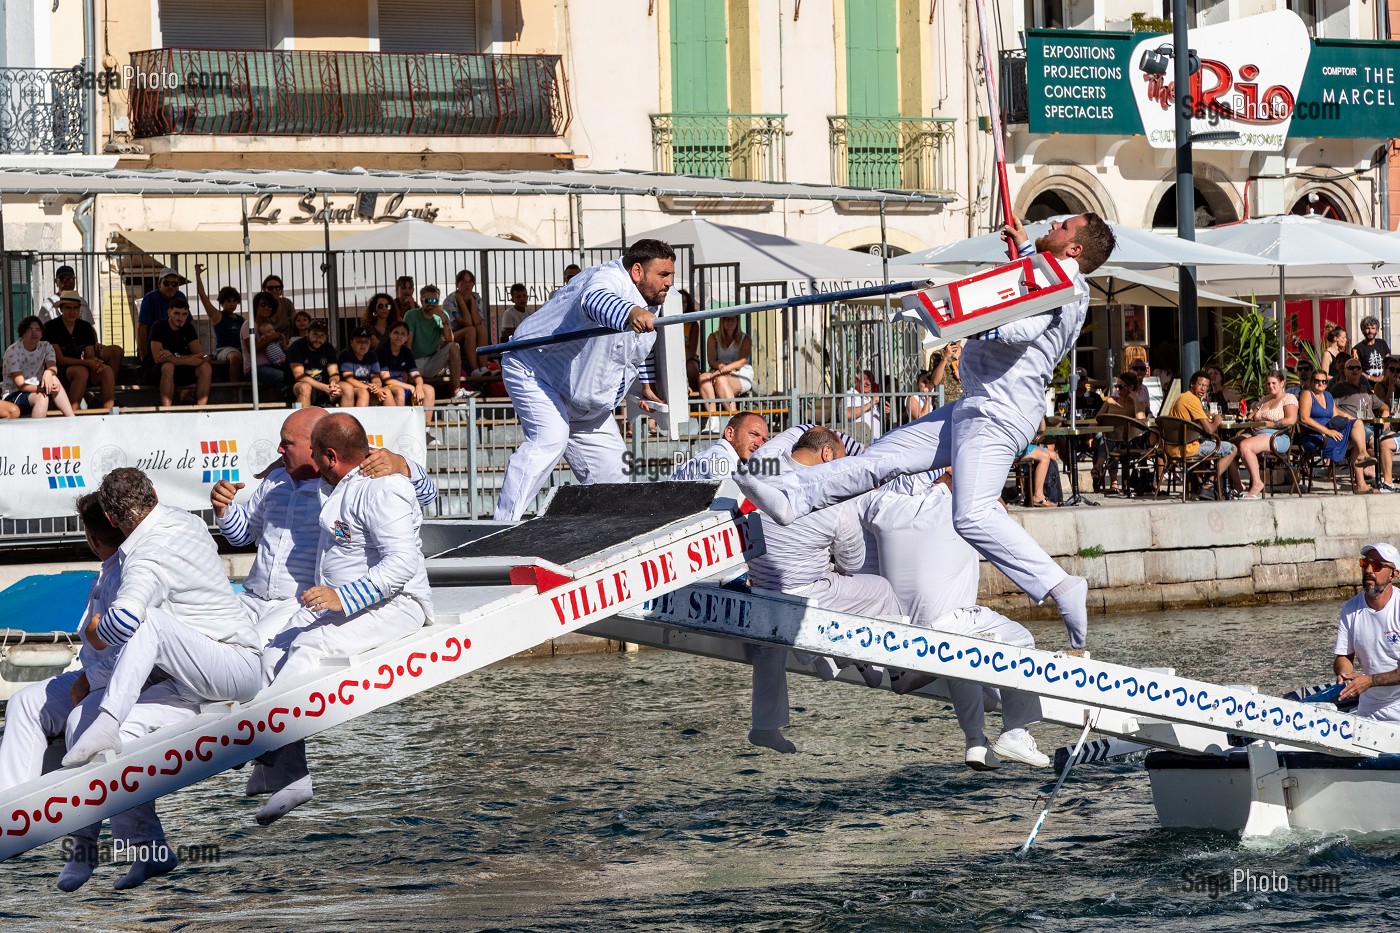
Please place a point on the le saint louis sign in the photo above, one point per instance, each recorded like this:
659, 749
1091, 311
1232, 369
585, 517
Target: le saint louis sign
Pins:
1262, 77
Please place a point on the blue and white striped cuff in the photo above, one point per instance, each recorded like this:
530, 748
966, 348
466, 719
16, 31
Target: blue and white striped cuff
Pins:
359, 595
607, 309
116, 626
234, 527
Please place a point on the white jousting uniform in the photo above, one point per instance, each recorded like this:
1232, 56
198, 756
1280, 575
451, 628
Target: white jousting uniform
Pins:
282, 519
797, 561
175, 609
44, 710
1004, 373
934, 572
565, 394
369, 553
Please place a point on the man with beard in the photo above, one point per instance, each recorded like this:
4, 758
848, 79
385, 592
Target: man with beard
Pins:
1368, 635
565, 394
1005, 372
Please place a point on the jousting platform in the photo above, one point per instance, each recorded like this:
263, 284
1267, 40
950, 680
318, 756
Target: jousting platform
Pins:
652, 574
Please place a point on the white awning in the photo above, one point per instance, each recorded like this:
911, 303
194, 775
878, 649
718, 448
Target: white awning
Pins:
620, 182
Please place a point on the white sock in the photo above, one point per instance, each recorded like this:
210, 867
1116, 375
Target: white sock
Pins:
285, 801
825, 668
772, 738
144, 870
905, 682
104, 735
1071, 598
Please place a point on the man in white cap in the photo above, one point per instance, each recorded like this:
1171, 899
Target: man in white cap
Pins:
565, 394
1368, 636
154, 307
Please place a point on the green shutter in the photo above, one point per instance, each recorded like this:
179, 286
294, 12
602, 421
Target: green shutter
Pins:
872, 91
699, 57
699, 84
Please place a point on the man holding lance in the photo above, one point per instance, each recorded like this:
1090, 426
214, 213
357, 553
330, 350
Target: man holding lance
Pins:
565, 393
1005, 372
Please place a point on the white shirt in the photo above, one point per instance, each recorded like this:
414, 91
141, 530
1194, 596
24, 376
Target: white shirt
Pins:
370, 549
870, 418
1374, 637
282, 519
922, 518
802, 553
589, 376
170, 561
31, 363
718, 461
97, 664
1012, 365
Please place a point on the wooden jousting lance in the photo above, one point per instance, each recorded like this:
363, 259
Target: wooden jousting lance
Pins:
994, 109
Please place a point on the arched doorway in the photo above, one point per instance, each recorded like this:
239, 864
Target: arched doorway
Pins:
1319, 204
1212, 207
1053, 202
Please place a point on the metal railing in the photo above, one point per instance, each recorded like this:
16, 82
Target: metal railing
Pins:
265, 92
1013, 87
42, 110
911, 153
750, 146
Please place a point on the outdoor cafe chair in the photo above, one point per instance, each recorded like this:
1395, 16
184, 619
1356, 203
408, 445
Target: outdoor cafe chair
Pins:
1180, 433
1129, 449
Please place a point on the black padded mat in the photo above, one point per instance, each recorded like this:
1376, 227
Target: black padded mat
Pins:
584, 520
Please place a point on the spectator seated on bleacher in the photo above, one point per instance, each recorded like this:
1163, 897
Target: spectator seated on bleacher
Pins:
315, 375
154, 306
31, 373
730, 352
272, 358
74, 343
360, 382
301, 326
380, 316
177, 359
65, 279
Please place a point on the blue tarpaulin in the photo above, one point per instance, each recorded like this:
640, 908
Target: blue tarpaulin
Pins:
46, 602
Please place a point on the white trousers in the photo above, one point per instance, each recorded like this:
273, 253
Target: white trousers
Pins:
970, 700
591, 445
270, 616
862, 594
921, 445
44, 710
310, 637
986, 442
211, 670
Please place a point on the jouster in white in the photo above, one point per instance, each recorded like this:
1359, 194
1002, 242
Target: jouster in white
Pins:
372, 585
1005, 374
174, 609
934, 573
565, 394
798, 560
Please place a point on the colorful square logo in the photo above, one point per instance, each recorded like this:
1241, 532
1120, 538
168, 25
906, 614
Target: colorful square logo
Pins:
220, 460
63, 465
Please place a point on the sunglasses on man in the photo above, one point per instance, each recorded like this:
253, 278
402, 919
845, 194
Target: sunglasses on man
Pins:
1373, 565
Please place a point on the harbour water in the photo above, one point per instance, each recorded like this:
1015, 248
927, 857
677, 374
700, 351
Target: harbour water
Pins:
609, 792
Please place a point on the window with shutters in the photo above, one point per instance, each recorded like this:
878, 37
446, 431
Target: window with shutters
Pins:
872, 93
229, 24
427, 26
699, 86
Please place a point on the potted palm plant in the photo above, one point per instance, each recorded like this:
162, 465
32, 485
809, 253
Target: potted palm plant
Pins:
1249, 351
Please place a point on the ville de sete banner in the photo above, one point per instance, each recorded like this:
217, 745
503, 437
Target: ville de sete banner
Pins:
1261, 77
45, 465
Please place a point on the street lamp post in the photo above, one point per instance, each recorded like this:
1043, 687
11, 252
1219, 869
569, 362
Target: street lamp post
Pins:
1185, 195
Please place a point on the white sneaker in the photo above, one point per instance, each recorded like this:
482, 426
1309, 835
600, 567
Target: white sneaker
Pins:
981, 758
711, 425
461, 395
1018, 745
433, 441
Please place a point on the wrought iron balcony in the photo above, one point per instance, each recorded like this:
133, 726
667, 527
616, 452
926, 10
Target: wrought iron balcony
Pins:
42, 110
912, 153
263, 92
749, 146
1012, 86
